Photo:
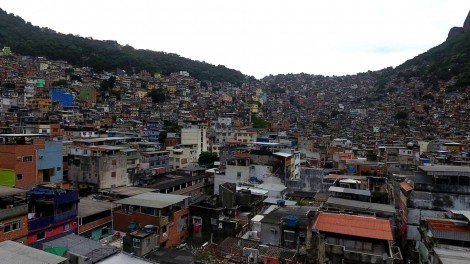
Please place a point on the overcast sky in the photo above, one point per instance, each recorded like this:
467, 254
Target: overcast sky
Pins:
258, 37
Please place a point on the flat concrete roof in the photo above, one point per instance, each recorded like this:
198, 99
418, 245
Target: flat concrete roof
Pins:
446, 169
349, 190
373, 207
9, 191
123, 258
153, 200
128, 190
454, 255
19, 253
88, 206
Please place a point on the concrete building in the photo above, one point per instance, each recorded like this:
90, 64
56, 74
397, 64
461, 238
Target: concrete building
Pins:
29, 160
52, 214
13, 214
168, 213
341, 238
102, 163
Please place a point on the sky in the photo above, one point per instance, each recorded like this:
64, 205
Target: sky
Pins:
260, 37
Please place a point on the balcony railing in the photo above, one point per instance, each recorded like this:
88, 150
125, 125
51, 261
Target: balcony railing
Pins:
13, 212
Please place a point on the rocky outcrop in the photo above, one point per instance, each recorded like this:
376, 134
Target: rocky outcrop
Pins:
457, 31
466, 24
454, 32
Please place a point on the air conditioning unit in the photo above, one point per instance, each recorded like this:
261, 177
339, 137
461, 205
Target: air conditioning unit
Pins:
18, 158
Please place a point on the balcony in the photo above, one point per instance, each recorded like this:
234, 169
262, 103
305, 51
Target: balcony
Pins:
13, 212
46, 221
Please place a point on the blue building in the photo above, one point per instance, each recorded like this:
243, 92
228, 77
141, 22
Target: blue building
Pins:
52, 213
63, 97
49, 164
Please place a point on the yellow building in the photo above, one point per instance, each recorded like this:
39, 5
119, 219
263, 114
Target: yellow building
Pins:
43, 105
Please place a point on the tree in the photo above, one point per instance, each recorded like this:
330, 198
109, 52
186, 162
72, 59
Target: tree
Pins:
157, 95
162, 137
401, 115
207, 158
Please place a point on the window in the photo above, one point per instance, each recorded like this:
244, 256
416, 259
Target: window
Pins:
19, 177
59, 168
27, 158
12, 226
197, 220
239, 174
289, 235
213, 221
113, 162
136, 243
113, 174
41, 235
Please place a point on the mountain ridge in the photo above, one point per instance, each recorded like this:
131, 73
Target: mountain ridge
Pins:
24, 38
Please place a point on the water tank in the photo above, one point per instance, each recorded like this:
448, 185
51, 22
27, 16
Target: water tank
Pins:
149, 229
281, 203
292, 220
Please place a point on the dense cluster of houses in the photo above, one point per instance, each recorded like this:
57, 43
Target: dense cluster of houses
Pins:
89, 175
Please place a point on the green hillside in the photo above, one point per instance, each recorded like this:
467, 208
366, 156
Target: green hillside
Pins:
26, 39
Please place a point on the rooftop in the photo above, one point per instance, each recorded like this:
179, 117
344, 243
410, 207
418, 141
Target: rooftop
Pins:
128, 190
449, 229
452, 255
353, 225
10, 250
123, 258
350, 191
88, 206
153, 200
276, 216
9, 191
370, 207
81, 246
446, 170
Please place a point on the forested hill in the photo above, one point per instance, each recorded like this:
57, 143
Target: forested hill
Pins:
27, 39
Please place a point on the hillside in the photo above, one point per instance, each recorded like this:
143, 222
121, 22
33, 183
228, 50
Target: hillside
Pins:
26, 39
445, 66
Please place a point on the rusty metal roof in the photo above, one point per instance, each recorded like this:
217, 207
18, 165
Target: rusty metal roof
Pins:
354, 225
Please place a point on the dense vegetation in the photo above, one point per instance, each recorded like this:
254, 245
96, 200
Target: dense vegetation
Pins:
26, 39
448, 63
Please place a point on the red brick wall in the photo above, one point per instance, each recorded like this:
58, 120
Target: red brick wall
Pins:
173, 236
91, 225
121, 220
19, 234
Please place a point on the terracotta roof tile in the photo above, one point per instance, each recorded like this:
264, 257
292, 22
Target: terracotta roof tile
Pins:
406, 186
354, 225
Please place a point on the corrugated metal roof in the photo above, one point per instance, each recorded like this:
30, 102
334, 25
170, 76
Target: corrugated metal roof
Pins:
153, 200
452, 256
446, 170
19, 253
449, 229
354, 225
372, 207
349, 190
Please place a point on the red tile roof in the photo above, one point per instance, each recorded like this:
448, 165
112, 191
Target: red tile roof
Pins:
448, 225
406, 186
354, 225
